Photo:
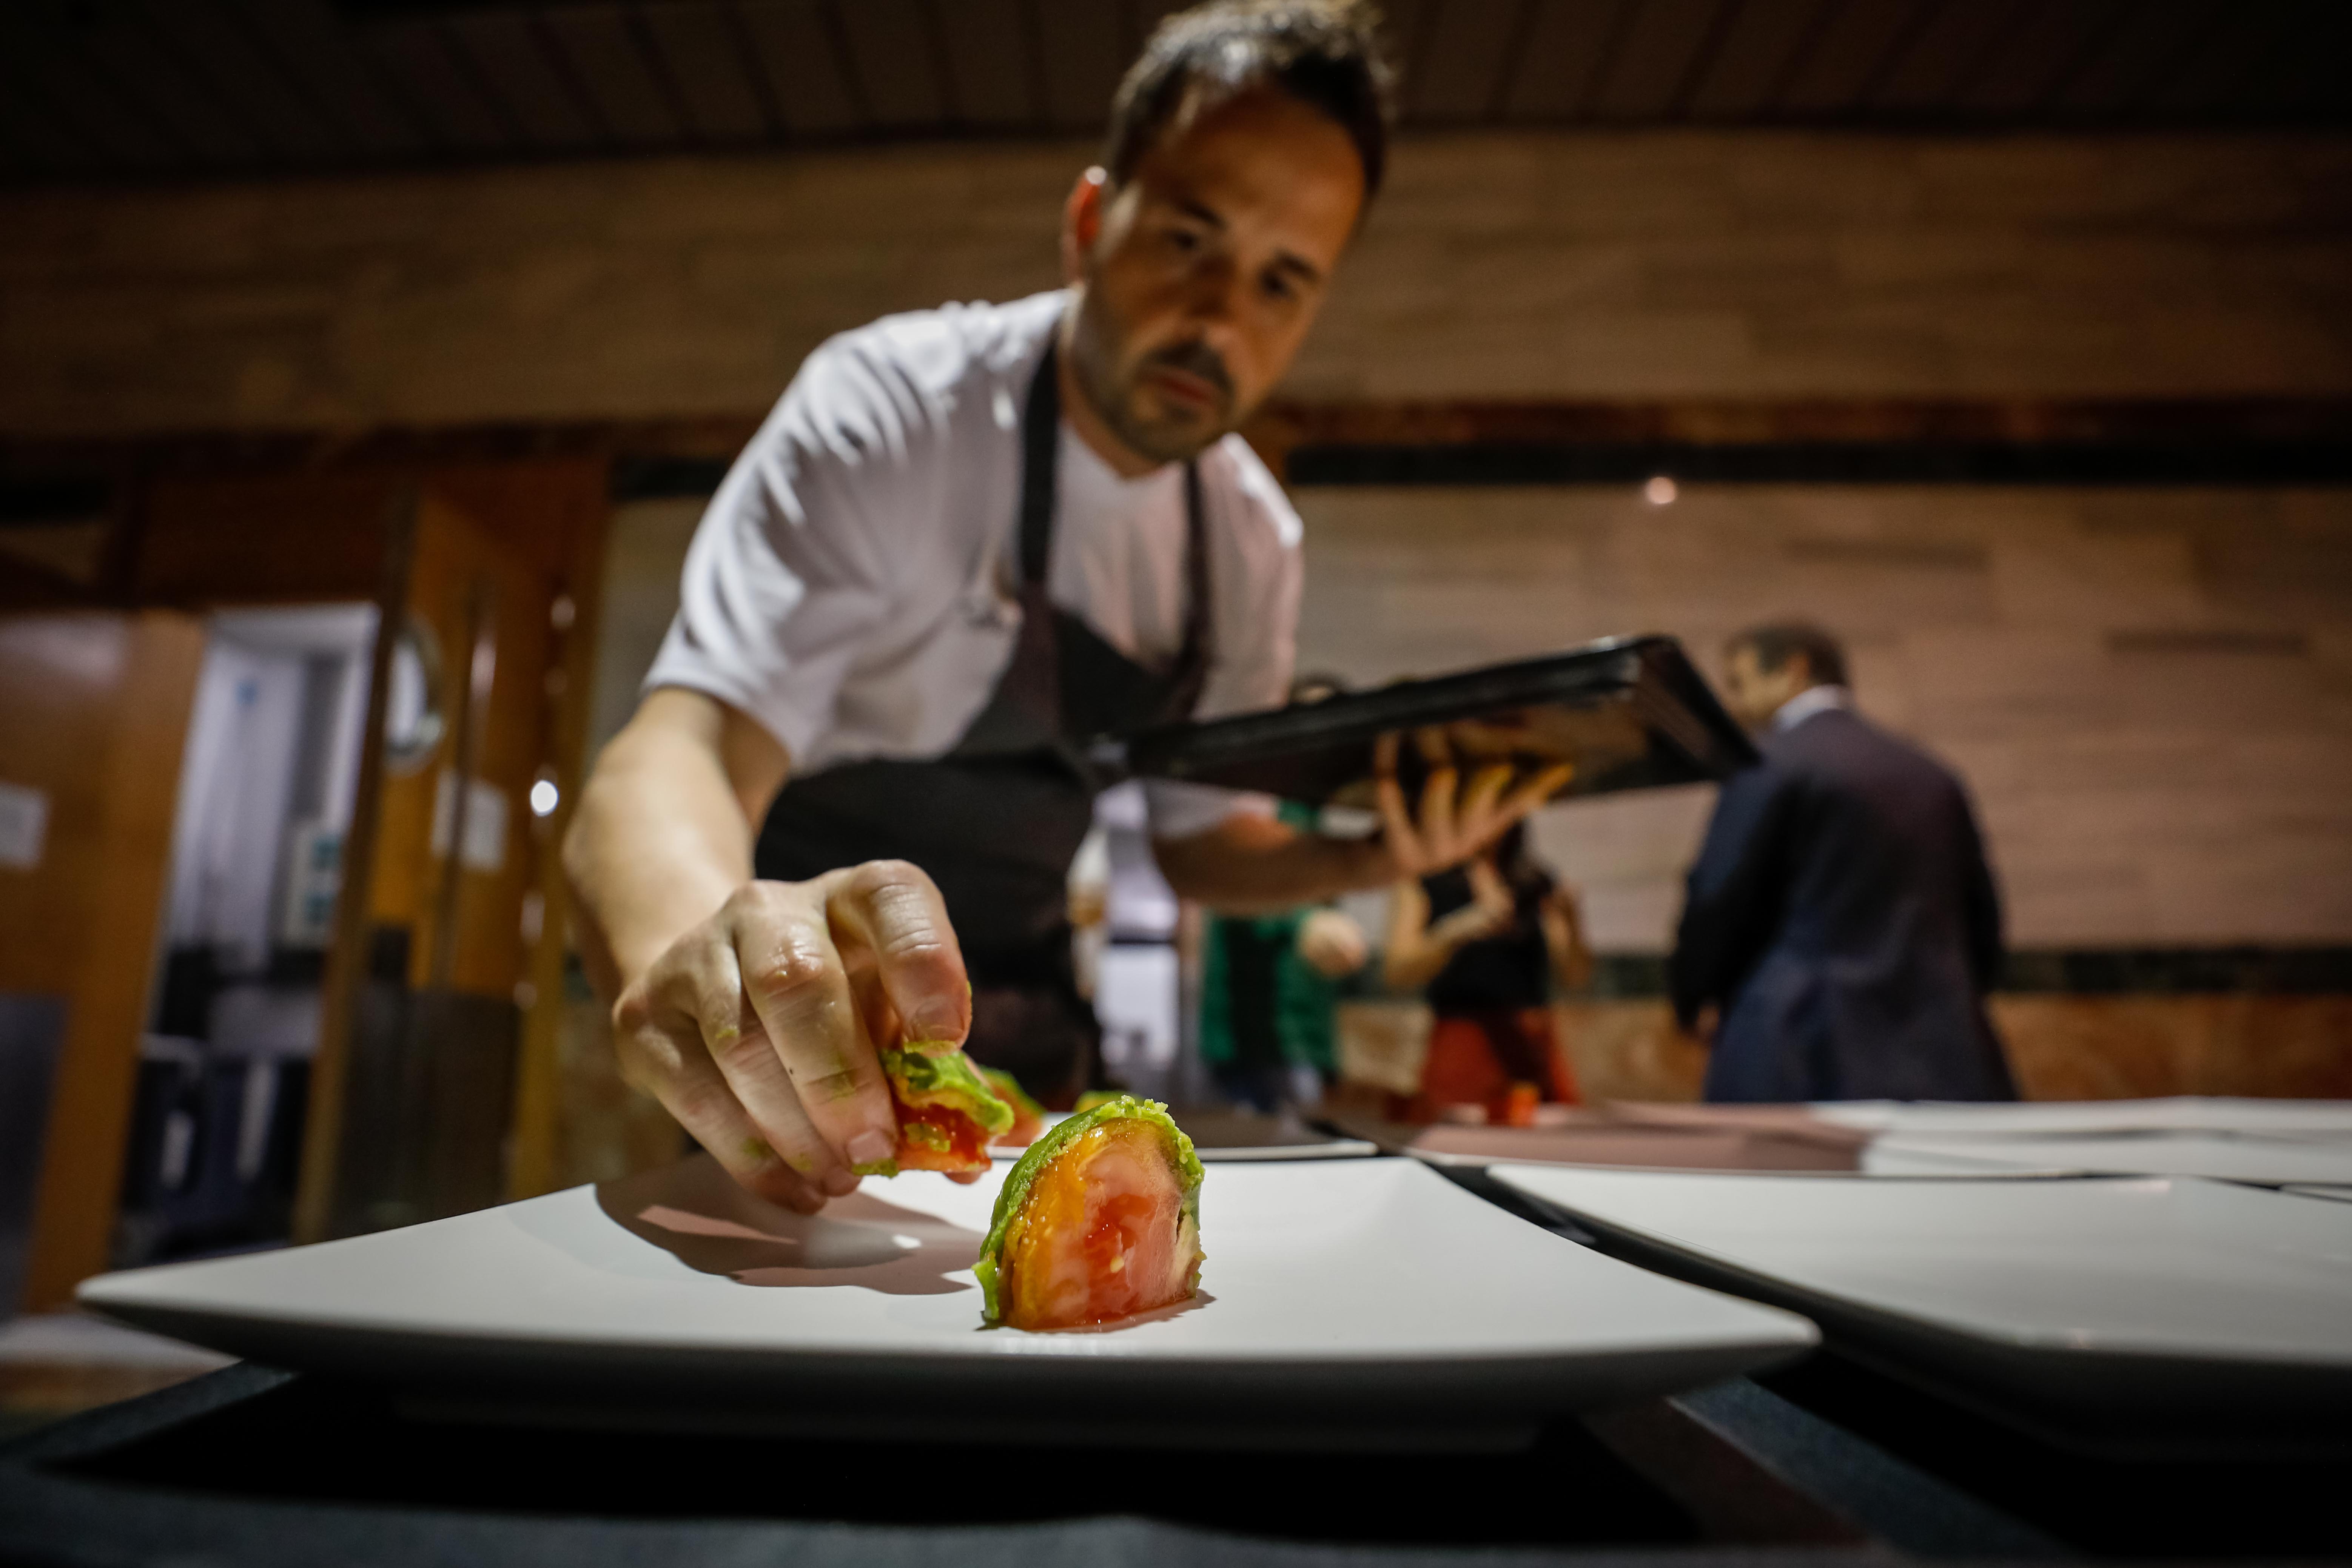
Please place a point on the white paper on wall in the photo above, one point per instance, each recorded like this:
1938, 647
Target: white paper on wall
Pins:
485, 848
24, 826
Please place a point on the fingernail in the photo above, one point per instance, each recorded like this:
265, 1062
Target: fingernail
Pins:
839, 1183
870, 1147
938, 1021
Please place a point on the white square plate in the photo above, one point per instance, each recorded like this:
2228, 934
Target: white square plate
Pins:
1366, 1301
2226, 1157
2047, 1119
2152, 1314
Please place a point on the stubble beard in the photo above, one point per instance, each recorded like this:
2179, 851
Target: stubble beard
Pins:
1094, 357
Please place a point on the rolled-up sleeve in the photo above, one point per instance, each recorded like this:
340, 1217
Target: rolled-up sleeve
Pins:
785, 580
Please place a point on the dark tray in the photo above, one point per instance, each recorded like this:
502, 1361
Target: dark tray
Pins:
1626, 712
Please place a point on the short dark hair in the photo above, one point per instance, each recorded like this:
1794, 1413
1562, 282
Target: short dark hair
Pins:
1324, 53
1774, 642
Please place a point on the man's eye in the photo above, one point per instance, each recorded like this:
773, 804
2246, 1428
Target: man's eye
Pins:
1184, 240
1279, 286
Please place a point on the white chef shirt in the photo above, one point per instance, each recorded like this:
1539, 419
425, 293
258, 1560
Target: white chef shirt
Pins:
852, 586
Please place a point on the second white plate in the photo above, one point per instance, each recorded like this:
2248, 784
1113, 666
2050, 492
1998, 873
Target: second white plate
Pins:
2152, 1314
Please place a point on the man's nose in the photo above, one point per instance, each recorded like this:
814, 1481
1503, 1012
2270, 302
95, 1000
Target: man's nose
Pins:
1214, 295
1214, 311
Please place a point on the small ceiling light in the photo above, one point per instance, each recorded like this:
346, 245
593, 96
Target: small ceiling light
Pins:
1661, 490
543, 798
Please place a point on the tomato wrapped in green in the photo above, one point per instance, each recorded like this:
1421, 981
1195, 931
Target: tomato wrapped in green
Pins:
1098, 1221
1028, 1116
948, 1114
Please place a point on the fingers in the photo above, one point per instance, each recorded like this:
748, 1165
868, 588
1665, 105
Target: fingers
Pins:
1439, 794
757, 1029
1538, 789
1486, 788
1437, 815
662, 1052
1452, 822
1493, 811
1397, 831
895, 911
704, 979
799, 987
754, 1071
1531, 794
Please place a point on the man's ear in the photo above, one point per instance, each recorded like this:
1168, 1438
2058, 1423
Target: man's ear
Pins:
1082, 222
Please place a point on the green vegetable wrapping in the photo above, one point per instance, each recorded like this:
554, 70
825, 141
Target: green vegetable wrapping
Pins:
947, 1111
1028, 1116
1098, 1220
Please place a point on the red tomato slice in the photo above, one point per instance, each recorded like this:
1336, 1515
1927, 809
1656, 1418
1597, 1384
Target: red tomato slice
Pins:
1102, 1235
964, 1141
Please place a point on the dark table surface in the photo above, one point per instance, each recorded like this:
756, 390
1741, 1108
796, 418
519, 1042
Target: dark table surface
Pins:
1826, 1460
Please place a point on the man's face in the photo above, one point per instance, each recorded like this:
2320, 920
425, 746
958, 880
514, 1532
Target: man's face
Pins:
1203, 271
1754, 693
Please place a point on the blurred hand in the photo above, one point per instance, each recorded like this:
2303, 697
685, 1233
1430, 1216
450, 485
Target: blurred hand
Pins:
1489, 912
1452, 823
1333, 945
1489, 891
757, 1029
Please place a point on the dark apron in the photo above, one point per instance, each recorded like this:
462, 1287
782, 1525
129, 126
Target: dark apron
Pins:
997, 821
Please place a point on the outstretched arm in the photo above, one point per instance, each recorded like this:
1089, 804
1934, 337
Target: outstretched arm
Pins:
751, 1010
664, 830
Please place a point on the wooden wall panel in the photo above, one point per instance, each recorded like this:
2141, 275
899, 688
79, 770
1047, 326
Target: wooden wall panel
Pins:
2107, 1048
2061, 1048
295, 539
93, 710
1752, 268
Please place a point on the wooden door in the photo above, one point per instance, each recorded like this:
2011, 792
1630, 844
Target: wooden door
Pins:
414, 1093
93, 710
94, 705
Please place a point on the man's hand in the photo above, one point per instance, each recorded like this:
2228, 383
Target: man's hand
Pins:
757, 1029
1488, 913
1253, 863
1453, 824
1333, 945
750, 1009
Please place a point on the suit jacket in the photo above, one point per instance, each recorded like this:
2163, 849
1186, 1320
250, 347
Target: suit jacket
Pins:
1841, 915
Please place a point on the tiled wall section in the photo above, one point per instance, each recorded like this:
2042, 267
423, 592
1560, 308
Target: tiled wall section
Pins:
2150, 691
1531, 264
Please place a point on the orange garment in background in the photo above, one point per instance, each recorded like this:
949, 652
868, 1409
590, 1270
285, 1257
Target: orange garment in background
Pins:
1474, 1059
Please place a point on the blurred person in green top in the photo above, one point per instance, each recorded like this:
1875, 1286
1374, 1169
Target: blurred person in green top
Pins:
1270, 984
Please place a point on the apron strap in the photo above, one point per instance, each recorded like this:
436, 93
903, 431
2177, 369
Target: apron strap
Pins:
1196, 571
1040, 442
1041, 433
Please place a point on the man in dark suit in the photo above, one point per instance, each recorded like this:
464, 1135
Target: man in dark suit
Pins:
1840, 915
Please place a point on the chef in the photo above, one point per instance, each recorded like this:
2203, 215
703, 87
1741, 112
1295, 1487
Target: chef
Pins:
966, 543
